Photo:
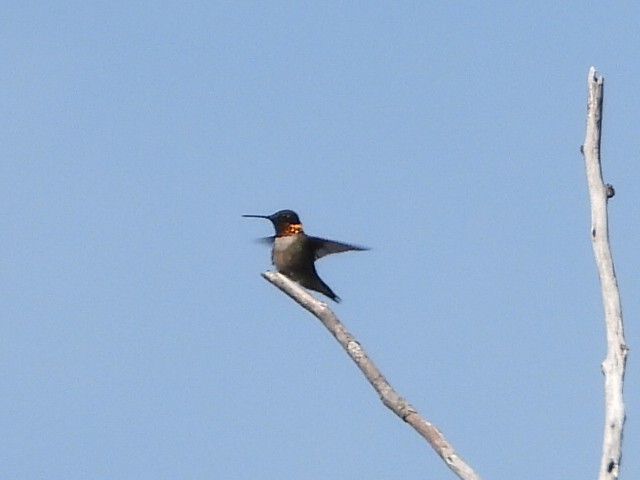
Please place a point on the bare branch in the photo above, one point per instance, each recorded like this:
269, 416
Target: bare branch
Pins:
388, 395
614, 363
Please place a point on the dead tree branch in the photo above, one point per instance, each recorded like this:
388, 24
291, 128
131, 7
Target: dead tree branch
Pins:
614, 363
388, 395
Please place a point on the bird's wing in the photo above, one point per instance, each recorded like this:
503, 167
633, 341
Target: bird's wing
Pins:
324, 247
266, 240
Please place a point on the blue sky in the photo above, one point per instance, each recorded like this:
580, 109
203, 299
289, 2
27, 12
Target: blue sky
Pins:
138, 339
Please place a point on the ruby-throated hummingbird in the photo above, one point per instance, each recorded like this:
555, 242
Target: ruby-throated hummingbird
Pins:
294, 253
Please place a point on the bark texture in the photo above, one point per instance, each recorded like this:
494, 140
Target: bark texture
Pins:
614, 364
388, 395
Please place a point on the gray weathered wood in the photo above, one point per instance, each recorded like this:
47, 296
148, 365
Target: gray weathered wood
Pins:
388, 395
614, 364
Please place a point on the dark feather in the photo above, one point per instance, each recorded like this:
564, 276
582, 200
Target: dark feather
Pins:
325, 247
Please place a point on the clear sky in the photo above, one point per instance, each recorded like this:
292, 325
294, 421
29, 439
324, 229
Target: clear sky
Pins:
138, 340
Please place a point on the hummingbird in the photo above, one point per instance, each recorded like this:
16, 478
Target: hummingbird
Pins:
294, 252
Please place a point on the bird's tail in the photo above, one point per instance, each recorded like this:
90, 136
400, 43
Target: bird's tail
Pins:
319, 286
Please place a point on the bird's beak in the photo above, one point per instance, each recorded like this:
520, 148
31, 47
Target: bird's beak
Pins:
257, 216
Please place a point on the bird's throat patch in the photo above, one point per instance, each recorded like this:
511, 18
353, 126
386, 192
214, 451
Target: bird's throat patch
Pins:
292, 229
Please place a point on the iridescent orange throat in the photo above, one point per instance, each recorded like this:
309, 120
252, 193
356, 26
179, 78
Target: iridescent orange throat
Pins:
290, 229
